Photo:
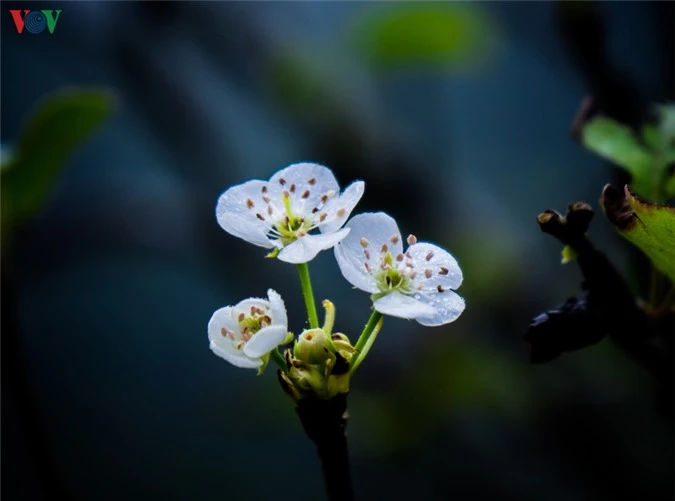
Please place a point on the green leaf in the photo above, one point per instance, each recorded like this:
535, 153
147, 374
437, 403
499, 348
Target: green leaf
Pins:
568, 254
439, 34
649, 226
49, 137
616, 143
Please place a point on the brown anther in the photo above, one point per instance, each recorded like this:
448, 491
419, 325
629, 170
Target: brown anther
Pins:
249, 203
315, 210
305, 195
260, 216
384, 248
443, 271
440, 289
427, 273
241, 317
223, 332
324, 198
254, 310
364, 242
323, 217
394, 239
267, 319
409, 264
311, 181
412, 275
408, 255
367, 253
287, 194
264, 189
429, 255
341, 212
399, 257
292, 188
412, 239
270, 210
266, 199
282, 181
367, 267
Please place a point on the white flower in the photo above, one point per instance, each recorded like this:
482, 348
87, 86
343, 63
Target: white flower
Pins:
245, 333
414, 284
281, 212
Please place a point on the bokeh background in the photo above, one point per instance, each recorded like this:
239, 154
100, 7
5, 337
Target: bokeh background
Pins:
457, 116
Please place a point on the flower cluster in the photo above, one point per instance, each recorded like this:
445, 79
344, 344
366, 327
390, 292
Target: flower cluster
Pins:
296, 214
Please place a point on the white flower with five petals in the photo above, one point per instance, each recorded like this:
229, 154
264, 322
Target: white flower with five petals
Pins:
245, 333
280, 213
415, 284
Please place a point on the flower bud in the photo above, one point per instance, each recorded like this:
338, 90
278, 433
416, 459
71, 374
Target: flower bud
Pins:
314, 347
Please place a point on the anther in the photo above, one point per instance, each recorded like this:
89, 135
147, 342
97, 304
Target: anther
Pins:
249, 203
270, 210
394, 239
315, 210
364, 242
282, 181
367, 253
427, 273
341, 212
260, 216
292, 188
384, 248
254, 310
440, 289
324, 198
323, 217
408, 255
305, 195
367, 267
241, 317
399, 257
412, 239
264, 189
430, 254
311, 181
443, 271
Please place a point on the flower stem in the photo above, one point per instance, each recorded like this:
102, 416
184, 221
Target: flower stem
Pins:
306, 284
279, 359
366, 338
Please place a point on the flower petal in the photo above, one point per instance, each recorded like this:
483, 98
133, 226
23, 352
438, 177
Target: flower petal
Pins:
239, 212
338, 210
310, 179
235, 357
222, 318
435, 266
277, 308
399, 305
306, 248
448, 306
372, 230
265, 340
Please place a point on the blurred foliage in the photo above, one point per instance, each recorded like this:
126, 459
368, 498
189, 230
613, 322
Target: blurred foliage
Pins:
651, 228
646, 159
50, 135
398, 35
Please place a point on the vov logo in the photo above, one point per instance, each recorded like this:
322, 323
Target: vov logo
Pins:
35, 21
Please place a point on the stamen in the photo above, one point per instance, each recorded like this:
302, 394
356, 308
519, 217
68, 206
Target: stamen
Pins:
384, 248
260, 216
440, 289
364, 242
367, 253
264, 189
311, 181
254, 310
293, 188
412, 239
249, 203
223, 332
270, 210
341, 212
409, 264
408, 255
324, 199
399, 257
394, 239
412, 275
315, 210
305, 195
266, 199
443, 271
430, 254
323, 217
282, 181
241, 317
367, 267
427, 273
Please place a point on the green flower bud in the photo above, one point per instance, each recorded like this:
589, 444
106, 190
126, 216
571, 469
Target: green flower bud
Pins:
314, 347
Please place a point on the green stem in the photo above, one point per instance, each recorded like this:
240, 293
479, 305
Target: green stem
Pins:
306, 284
279, 359
364, 342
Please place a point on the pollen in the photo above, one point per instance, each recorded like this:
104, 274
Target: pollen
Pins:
364, 242
412, 239
443, 271
249, 203
270, 210
367, 267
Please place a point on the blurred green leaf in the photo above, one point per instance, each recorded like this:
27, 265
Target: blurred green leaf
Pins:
568, 255
616, 143
49, 137
439, 33
649, 226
